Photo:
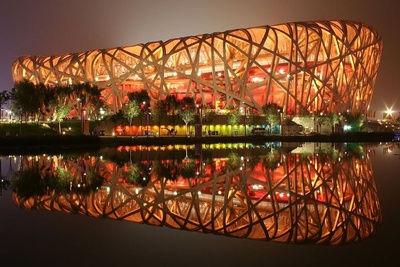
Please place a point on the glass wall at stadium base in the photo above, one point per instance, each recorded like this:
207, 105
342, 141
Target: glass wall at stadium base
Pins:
304, 125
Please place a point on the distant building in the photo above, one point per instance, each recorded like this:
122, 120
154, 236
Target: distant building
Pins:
304, 67
388, 116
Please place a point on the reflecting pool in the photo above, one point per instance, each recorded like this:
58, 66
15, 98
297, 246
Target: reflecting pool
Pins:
295, 193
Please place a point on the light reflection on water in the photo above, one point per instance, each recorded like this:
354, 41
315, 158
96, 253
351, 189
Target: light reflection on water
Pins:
293, 193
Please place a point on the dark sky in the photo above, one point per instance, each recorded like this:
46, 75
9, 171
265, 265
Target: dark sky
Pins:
49, 27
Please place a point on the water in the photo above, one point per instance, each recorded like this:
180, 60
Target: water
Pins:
223, 204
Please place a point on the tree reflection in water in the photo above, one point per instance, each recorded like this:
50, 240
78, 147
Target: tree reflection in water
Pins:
311, 193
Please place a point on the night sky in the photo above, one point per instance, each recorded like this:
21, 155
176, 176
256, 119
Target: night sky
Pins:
49, 27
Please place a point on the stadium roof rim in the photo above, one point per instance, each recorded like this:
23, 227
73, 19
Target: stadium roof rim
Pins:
304, 23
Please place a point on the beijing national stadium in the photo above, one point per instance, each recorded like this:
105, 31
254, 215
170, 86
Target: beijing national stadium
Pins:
303, 67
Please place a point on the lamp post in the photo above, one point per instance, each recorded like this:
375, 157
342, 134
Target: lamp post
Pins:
102, 112
147, 107
313, 118
81, 113
147, 121
83, 120
199, 107
389, 113
245, 121
244, 110
280, 121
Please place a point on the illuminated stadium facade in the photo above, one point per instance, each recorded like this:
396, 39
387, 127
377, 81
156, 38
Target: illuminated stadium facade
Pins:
304, 67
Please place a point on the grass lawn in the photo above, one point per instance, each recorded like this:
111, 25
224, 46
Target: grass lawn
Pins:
70, 127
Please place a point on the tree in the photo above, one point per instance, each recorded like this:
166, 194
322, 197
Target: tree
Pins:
334, 118
133, 173
272, 159
60, 181
89, 96
50, 95
61, 110
188, 168
272, 114
64, 93
39, 93
158, 113
141, 96
28, 183
208, 117
187, 103
354, 122
319, 120
99, 108
233, 161
187, 115
233, 118
24, 97
143, 100
187, 110
4, 98
131, 110
171, 106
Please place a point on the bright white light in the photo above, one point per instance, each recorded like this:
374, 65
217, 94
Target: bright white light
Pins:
257, 186
347, 128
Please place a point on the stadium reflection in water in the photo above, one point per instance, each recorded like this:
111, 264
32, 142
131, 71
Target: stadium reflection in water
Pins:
310, 193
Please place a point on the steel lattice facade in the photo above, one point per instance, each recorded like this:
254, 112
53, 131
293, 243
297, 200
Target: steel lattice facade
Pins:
304, 67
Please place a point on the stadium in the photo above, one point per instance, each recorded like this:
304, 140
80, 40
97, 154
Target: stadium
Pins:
304, 67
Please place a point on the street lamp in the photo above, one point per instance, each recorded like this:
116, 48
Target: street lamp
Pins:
281, 121
245, 120
102, 112
199, 107
389, 113
245, 117
79, 106
147, 107
83, 120
148, 120
81, 111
